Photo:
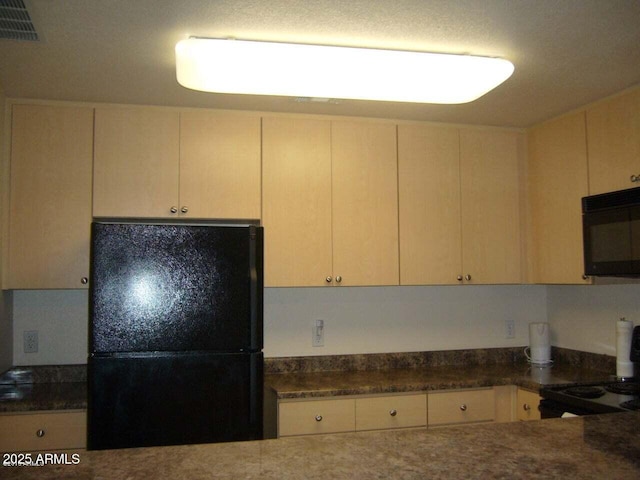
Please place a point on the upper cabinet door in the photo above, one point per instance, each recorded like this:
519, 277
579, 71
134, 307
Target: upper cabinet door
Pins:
429, 183
365, 203
613, 136
558, 179
489, 162
136, 162
50, 199
219, 165
296, 182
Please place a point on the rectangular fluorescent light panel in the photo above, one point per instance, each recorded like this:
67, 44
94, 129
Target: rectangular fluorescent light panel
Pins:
264, 68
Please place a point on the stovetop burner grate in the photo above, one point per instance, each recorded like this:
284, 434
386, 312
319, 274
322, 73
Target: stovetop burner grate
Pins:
631, 404
624, 388
585, 392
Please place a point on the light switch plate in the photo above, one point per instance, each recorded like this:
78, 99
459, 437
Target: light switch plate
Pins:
317, 334
510, 328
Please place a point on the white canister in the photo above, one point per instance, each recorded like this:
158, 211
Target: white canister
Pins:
539, 350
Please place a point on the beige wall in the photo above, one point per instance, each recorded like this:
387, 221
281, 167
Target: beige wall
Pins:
371, 319
6, 332
584, 317
357, 320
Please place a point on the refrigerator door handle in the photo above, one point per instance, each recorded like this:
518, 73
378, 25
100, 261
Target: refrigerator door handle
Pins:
256, 286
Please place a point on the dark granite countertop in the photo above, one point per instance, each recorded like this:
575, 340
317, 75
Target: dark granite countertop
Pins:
594, 447
58, 387
63, 387
323, 384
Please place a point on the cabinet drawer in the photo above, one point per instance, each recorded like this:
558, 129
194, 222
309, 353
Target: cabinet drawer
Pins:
397, 411
317, 416
43, 431
464, 406
527, 405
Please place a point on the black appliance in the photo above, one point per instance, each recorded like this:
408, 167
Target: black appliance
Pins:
587, 399
606, 397
611, 233
175, 335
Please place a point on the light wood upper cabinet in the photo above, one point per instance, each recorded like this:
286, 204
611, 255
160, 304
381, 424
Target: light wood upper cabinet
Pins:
459, 205
491, 244
296, 182
136, 162
613, 133
558, 179
429, 203
330, 203
50, 199
157, 163
220, 165
365, 203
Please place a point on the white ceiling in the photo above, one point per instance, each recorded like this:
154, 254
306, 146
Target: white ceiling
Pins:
566, 52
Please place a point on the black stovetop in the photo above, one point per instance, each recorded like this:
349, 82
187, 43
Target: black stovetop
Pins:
597, 397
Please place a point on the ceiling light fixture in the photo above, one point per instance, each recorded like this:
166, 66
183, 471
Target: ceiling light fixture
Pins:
265, 68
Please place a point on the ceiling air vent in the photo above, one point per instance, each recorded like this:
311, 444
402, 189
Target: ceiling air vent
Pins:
15, 22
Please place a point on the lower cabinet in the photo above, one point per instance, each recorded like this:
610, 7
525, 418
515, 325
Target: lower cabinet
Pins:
380, 412
395, 411
43, 431
461, 406
527, 405
308, 417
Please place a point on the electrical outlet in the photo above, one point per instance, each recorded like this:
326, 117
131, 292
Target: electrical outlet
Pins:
510, 328
317, 334
30, 341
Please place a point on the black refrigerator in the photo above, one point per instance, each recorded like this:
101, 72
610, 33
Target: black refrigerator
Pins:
175, 334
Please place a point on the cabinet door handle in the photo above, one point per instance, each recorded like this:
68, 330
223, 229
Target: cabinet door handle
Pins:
318, 418
173, 210
184, 209
526, 407
635, 178
393, 412
84, 280
459, 277
40, 433
338, 279
467, 277
463, 407
328, 279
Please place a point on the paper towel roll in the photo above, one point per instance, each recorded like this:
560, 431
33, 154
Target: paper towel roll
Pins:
624, 366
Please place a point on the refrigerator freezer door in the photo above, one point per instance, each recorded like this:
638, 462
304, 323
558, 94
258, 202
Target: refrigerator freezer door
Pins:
172, 399
175, 288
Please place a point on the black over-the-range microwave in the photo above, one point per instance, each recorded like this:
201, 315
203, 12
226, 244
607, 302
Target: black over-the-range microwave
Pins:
611, 233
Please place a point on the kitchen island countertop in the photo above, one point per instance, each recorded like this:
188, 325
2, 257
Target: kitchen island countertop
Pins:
594, 447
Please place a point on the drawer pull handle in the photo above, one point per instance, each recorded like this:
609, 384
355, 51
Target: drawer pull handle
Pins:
526, 407
393, 412
40, 433
463, 407
318, 418
635, 178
